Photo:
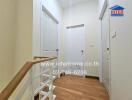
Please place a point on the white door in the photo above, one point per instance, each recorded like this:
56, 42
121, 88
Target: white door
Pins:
49, 34
75, 43
106, 49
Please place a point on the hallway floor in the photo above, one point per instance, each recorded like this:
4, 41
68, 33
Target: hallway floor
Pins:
78, 88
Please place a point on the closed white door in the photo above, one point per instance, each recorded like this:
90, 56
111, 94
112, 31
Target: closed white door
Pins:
49, 34
75, 43
106, 49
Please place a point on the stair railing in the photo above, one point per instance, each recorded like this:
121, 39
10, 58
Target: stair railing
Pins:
33, 81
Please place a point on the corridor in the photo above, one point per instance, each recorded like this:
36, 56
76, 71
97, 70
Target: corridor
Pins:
65, 49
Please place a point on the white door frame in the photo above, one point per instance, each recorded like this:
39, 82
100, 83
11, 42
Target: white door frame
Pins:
100, 41
105, 7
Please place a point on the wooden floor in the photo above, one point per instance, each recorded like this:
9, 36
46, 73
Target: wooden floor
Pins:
79, 88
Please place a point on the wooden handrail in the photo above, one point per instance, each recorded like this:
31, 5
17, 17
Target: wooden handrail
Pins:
35, 57
9, 89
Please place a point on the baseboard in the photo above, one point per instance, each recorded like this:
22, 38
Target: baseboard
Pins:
62, 74
93, 77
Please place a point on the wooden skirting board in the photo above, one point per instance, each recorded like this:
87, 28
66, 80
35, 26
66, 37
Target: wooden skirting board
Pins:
93, 77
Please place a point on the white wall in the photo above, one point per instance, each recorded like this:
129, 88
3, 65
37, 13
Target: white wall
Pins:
85, 13
101, 3
36, 27
121, 52
54, 8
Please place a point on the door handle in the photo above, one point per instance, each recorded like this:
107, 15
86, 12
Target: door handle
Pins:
82, 51
57, 50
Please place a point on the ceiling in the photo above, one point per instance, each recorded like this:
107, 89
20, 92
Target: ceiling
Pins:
68, 3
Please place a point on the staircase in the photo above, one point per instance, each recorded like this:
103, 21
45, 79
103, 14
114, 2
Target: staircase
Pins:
33, 81
44, 90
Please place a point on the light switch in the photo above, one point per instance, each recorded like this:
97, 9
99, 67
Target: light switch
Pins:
114, 34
